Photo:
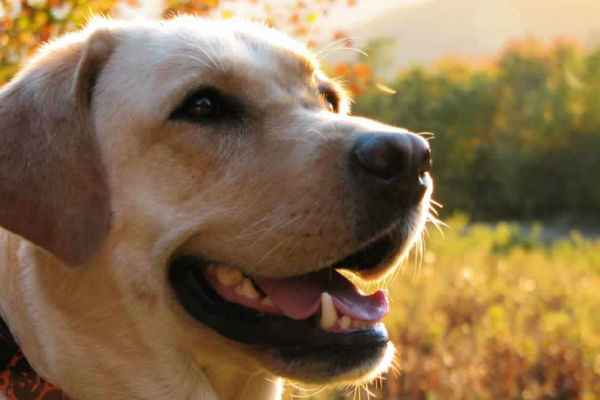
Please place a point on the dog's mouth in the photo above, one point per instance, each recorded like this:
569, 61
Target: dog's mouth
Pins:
320, 317
308, 318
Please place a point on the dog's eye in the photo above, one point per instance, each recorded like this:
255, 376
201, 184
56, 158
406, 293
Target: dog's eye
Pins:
202, 107
206, 105
332, 101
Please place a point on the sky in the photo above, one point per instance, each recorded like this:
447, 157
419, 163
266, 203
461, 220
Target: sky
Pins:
342, 16
339, 16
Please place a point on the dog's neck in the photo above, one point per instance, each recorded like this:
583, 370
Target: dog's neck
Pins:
19, 277
232, 384
18, 381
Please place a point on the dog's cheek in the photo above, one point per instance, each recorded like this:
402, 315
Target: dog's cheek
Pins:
287, 204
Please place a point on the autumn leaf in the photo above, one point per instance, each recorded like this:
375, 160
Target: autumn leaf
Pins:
312, 17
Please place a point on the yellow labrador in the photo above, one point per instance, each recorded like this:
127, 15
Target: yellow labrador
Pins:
177, 199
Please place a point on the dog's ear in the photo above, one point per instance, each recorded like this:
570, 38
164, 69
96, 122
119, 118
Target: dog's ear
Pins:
53, 188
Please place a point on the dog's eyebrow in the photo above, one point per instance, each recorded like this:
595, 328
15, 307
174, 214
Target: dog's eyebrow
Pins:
327, 86
310, 66
333, 88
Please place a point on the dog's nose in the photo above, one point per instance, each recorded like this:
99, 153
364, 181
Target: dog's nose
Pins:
392, 159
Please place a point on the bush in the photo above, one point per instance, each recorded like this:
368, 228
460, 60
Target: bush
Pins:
518, 138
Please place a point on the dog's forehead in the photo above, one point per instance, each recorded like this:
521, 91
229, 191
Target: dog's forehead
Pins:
164, 61
239, 43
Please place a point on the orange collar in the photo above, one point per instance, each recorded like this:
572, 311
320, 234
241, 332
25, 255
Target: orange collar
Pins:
18, 381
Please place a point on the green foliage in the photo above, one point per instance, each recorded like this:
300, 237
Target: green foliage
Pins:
518, 138
491, 313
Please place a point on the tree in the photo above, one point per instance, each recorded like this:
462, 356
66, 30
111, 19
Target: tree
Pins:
25, 24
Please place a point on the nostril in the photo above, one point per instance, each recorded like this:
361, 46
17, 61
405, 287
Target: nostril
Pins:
381, 155
397, 159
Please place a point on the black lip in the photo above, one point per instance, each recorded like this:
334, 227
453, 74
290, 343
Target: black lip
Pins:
292, 338
371, 255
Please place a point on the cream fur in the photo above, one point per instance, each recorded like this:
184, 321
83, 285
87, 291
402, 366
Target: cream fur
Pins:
109, 327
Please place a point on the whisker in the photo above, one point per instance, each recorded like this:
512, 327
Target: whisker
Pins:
306, 392
214, 51
344, 48
395, 367
426, 231
437, 204
438, 221
438, 224
334, 43
205, 53
249, 231
365, 387
192, 58
340, 80
284, 241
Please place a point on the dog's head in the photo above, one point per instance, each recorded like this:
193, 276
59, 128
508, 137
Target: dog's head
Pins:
209, 183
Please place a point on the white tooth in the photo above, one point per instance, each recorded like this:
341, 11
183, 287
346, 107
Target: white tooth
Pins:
228, 276
266, 301
359, 323
246, 289
345, 322
328, 314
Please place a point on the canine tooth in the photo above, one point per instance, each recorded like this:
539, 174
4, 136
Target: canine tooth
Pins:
246, 289
266, 301
328, 314
362, 324
228, 276
359, 323
345, 322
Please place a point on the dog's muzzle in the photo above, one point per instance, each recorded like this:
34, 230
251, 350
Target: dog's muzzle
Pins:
322, 318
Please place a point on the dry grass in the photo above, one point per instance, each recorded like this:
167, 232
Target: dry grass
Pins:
492, 313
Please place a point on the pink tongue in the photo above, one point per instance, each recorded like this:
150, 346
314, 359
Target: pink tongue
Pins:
300, 297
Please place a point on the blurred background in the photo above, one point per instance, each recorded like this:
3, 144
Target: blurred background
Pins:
503, 302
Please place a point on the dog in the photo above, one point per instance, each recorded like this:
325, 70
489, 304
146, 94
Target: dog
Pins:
178, 198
